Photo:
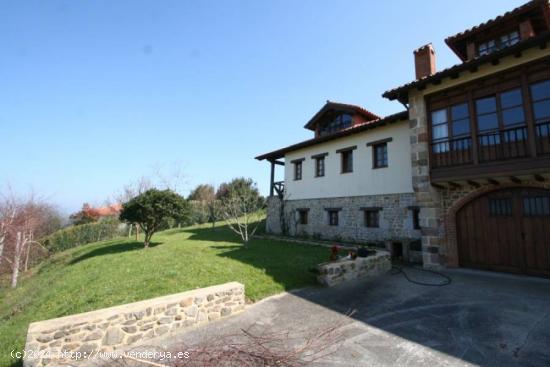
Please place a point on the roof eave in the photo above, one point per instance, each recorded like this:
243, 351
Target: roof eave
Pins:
280, 153
400, 92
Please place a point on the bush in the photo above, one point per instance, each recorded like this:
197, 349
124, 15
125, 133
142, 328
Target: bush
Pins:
73, 236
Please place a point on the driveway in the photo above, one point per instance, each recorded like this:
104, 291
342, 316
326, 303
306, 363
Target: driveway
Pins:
481, 318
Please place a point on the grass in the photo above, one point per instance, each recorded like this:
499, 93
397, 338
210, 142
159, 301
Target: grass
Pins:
115, 272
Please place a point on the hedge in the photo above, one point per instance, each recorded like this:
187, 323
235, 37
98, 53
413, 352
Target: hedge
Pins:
73, 236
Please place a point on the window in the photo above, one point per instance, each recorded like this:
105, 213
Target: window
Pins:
486, 48
486, 113
536, 206
416, 218
346, 159
303, 216
451, 123
319, 166
372, 217
540, 96
340, 122
506, 40
500, 207
510, 104
298, 168
333, 217
380, 155
509, 39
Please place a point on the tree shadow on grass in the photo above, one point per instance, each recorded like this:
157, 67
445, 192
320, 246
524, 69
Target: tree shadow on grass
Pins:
216, 234
287, 264
111, 249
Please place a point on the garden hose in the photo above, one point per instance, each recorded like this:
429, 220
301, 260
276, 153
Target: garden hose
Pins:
446, 279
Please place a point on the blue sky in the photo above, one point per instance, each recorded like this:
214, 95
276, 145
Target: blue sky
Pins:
94, 94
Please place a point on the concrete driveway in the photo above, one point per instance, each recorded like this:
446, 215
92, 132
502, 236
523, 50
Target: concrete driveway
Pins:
481, 318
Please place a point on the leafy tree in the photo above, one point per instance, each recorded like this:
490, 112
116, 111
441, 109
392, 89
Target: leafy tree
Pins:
152, 208
241, 205
203, 193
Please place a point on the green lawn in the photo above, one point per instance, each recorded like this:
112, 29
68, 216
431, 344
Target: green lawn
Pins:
114, 272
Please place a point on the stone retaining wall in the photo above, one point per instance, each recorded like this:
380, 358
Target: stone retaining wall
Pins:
336, 272
116, 327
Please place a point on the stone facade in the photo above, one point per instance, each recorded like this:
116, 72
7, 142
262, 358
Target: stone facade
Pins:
336, 272
395, 219
105, 330
428, 197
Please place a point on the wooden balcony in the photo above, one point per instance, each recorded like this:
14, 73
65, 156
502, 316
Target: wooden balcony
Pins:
507, 152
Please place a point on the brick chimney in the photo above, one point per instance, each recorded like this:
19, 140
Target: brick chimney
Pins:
424, 61
526, 29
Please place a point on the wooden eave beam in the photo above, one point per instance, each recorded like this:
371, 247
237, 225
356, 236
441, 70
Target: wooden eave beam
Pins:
454, 185
474, 184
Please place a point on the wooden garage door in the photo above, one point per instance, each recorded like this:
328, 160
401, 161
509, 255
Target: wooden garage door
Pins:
507, 230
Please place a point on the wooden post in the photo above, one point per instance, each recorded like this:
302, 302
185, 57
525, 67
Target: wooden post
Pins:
272, 184
473, 129
527, 107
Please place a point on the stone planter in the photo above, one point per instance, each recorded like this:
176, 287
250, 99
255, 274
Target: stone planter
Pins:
336, 272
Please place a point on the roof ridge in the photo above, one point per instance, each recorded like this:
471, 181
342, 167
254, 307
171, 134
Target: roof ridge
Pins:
509, 13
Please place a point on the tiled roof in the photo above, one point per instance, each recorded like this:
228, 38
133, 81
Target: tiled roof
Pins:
369, 116
509, 14
280, 153
400, 93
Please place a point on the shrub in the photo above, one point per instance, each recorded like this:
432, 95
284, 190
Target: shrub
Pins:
73, 236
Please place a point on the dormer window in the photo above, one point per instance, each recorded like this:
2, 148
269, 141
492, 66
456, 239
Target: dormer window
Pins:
493, 45
339, 122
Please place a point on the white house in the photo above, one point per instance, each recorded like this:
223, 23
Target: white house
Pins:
351, 182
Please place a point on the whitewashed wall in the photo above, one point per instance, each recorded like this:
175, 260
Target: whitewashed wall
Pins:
364, 180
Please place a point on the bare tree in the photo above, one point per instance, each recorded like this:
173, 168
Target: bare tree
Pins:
241, 207
8, 209
214, 211
172, 178
20, 221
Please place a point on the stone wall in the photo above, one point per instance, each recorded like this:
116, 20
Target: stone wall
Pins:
428, 197
273, 220
337, 272
116, 327
395, 218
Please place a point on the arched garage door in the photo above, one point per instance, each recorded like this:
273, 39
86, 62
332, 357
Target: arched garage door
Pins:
507, 230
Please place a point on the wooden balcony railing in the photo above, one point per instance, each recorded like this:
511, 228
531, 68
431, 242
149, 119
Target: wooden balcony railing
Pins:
498, 145
452, 152
504, 144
